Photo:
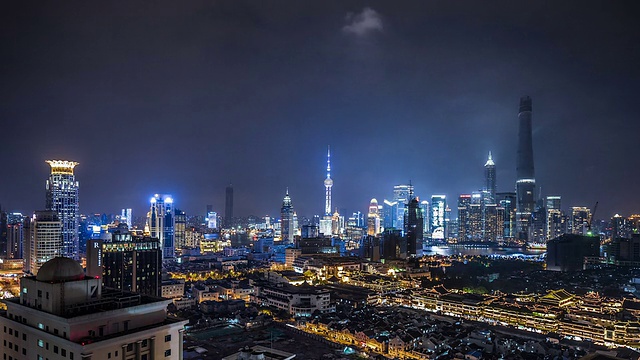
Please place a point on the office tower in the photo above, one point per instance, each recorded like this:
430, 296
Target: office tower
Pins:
526, 183
62, 197
437, 217
401, 195
394, 247
539, 224
580, 218
45, 240
328, 184
424, 209
358, 216
413, 227
287, 228
390, 214
126, 262
212, 220
228, 207
490, 180
373, 218
568, 252
16, 235
126, 216
180, 228
161, 223
464, 227
476, 221
507, 201
63, 314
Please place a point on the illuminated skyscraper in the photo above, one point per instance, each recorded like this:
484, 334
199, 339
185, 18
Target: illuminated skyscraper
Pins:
328, 184
228, 207
490, 180
287, 224
45, 240
424, 208
555, 219
17, 232
180, 232
161, 223
126, 217
389, 214
401, 195
373, 218
62, 197
526, 183
437, 218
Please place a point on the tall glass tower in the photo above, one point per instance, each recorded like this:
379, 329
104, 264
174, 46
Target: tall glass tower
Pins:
526, 183
287, 228
161, 222
62, 198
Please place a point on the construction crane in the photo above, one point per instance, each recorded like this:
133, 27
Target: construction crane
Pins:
593, 214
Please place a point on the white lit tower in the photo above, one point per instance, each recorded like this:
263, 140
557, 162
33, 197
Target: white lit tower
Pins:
328, 184
326, 223
62, 198
161, 223
490, 181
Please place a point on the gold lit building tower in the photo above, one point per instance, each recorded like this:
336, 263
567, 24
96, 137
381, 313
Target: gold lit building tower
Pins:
62, 198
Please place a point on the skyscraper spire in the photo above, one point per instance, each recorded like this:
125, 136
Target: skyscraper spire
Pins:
490, 180
328, 183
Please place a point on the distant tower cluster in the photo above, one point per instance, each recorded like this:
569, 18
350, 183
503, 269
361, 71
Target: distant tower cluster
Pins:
526, 181
161, 223
62, 198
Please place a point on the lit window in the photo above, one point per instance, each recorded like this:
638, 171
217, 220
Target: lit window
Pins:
40, 343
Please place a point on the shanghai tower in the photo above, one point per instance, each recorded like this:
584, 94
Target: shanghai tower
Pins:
526, 183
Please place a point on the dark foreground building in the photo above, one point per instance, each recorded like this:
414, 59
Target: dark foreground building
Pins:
567, 252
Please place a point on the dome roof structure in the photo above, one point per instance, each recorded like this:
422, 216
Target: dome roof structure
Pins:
60, 269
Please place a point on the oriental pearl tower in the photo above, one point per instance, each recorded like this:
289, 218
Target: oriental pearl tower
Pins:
328, 183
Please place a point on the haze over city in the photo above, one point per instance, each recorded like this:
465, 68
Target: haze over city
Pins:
185, 98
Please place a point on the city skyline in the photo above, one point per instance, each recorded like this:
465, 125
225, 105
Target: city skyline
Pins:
257, 106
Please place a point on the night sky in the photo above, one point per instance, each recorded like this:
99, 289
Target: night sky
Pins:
185, 97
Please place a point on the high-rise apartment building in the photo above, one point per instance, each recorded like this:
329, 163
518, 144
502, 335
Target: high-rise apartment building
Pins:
437, 217
526, 181
63, 314
62, 197
464, 202
228, 207
161, 223
555, 219
580, 218
44, 240
16, 235
287, 224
